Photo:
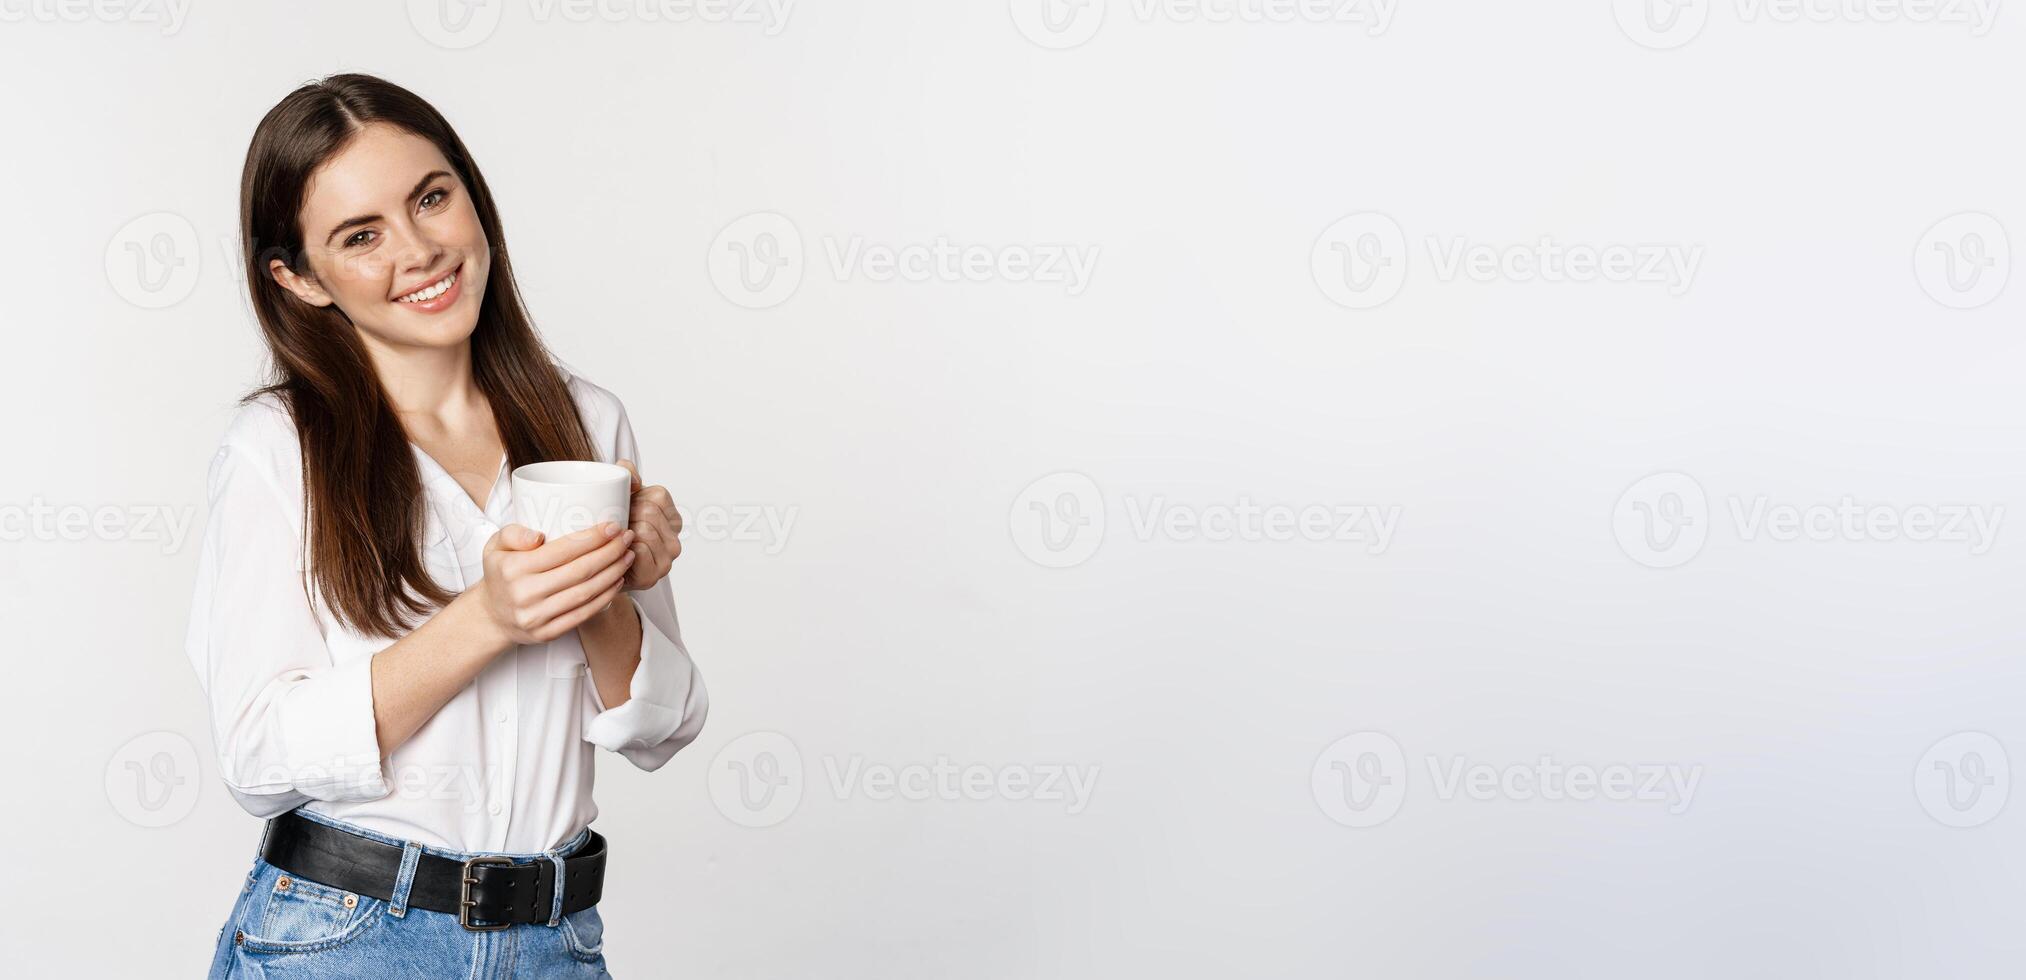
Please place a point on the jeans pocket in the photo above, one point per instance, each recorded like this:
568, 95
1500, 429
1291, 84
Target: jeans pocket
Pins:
584, 934
292, 914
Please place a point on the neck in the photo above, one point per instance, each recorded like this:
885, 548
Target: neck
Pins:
435, 383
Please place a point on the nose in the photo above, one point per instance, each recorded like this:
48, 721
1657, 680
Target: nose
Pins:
415, 253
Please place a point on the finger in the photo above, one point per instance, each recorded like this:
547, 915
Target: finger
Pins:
583, 567
652, 523
662, 547
568, 599
570, 547
642, 574
659, 497
630, 468
515, 537
642, 518
576, 617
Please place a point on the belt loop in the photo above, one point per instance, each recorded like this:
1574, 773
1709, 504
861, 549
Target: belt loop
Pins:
556, 907
411, 855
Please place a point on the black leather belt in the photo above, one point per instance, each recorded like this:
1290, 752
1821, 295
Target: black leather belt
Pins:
486, 893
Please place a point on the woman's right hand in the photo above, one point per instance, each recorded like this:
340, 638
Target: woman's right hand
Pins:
534, 591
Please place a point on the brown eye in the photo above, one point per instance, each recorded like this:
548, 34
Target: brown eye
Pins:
357, 239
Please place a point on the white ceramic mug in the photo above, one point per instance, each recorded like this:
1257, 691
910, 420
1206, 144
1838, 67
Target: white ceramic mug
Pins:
567, 496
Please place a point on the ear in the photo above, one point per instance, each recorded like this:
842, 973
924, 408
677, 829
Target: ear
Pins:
304, 288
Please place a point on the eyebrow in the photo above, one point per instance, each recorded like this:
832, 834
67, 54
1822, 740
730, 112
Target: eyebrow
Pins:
367, 219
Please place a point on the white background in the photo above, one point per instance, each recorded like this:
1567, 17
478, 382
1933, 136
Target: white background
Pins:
1514, 614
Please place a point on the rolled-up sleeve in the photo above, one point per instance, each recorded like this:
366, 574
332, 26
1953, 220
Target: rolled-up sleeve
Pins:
288, 724
667, 701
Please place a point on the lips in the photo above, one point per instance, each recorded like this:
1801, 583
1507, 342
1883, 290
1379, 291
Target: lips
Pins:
437, 294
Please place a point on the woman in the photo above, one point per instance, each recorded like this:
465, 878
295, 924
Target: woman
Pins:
406, 685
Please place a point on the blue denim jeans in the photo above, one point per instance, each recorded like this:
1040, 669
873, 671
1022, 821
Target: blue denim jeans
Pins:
284, 925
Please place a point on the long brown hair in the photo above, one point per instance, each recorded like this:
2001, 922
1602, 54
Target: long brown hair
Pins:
362, 490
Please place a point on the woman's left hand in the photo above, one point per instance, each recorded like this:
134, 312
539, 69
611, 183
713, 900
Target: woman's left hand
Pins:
657, 527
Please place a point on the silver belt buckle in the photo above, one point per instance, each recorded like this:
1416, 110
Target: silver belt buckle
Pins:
464, 899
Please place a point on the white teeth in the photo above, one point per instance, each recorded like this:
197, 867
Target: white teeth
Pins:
425, 295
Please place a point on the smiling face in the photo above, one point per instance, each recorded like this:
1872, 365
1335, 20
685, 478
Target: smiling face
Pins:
391, 238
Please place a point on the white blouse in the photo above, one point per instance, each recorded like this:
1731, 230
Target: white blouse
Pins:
507, 764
